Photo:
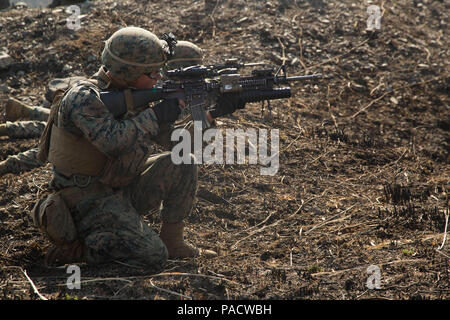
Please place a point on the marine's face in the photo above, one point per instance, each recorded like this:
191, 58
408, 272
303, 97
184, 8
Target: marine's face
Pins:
148, 80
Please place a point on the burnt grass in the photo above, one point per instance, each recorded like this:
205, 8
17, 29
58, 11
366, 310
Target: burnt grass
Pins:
363, 173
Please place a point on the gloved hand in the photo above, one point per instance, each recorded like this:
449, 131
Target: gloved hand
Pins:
227, 103
167, 111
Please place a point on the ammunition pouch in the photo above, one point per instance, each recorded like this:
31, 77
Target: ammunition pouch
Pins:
71, 154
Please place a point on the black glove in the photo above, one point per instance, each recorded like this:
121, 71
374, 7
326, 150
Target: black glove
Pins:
167, 111
227, 103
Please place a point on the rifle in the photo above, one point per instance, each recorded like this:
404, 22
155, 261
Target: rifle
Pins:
200, 86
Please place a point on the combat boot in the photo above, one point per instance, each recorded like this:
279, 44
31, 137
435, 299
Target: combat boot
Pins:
14, 110
65, 254
172, 236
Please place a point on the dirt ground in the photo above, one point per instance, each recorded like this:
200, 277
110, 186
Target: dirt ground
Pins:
364, 174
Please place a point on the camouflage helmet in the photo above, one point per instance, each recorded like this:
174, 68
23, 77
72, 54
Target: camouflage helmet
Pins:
131, 52
186, 54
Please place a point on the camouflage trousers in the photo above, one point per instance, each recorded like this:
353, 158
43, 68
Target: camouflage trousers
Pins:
24, 161
111, 226
25, 129
21, 162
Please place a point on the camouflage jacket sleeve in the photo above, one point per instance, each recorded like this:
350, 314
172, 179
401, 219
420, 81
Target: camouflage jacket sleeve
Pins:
84, 113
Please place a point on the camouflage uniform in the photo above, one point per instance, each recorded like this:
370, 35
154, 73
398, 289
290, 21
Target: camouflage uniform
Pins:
27, 160
21, 162
108, 220
110, 223
17, 110
186, 54
24, 129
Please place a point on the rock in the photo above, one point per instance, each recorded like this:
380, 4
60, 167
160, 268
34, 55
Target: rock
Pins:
5, 60
4, 4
